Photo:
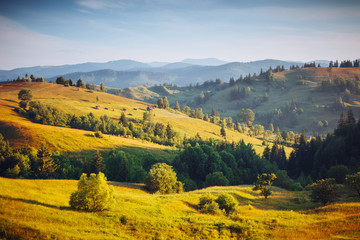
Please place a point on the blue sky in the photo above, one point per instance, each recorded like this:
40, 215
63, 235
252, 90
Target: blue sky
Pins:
65, 32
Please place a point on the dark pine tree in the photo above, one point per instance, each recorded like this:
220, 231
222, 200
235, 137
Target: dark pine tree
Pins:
341, 120
98, 163
350, 116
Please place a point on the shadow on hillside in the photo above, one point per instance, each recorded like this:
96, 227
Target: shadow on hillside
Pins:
193, 206
9, 100
34, 202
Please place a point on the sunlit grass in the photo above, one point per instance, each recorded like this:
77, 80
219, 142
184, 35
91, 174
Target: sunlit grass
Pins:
39, 209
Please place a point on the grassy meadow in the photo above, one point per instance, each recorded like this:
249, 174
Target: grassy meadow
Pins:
39, 209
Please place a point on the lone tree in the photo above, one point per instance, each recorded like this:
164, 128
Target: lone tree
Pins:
353, 181
102, 87
223, 131
45, 164
162, 179
324, 191
264, 180
25, 96
93, 194
98, 162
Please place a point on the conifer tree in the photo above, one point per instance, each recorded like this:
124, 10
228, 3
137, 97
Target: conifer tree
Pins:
223, 131
160, 103
350, 116
102, 87
46, 165
98, 163
177, 107
170, 134
341, 120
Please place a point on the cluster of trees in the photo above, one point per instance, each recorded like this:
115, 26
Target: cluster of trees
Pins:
239, 92
334, 156
70, 83
341, 85
213, 162
148, 130
344, 64
163, 103
27, 162
32, 78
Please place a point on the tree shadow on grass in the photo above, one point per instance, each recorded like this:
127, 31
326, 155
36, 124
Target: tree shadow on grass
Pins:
35, 202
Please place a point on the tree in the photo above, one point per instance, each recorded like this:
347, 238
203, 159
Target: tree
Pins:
249, 116
353, 181
338, 172
177, 107
223, 131
165, 103
46, 165
25, 95
170, 134
117, 167
93, 194
79, 83
162, 179
264, 180
324, 191
350, 116
123, 120
160, 103
341, 120
186, 110
98, 162
271, 127
208, 205
102, 87
60, 80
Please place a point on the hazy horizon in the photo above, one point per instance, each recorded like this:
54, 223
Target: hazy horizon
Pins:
44, 33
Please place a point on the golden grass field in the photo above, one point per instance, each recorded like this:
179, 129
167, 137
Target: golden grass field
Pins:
39, 209
20, 131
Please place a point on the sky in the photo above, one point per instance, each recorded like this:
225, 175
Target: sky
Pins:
46, 32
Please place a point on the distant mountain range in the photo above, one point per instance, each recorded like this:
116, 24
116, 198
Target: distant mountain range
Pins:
129, 73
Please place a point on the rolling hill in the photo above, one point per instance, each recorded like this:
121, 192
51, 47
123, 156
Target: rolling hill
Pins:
39, 209
21, 131
271, 101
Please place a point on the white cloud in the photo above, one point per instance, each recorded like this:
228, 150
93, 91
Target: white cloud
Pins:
100, 4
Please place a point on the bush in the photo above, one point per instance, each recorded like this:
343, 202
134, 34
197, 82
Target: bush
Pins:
283, 180
98, 134
227, 203
208, 205
338, 172
353, 181
93, 194
162, 179
296, 187
324, 191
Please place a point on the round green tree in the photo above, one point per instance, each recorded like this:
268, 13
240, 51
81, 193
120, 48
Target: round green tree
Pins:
162, 179
93, 194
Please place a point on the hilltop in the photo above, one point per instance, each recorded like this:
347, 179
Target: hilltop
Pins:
39, 209
293, 99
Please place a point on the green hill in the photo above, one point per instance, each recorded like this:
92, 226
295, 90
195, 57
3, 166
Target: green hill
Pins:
293, 99
39, 209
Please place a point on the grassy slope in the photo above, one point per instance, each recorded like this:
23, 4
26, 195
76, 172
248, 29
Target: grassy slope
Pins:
38, 209
220, 100
22, 131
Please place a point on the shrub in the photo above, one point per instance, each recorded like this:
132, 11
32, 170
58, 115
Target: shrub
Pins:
324, 191
296, 187
162, 179
283, 180
93, 194
338, 172
208, 205
353, 181
227, 203
98, 134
